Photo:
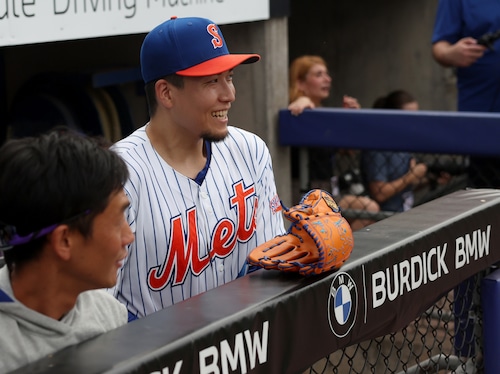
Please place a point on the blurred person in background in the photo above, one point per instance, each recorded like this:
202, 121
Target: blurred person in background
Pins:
391, 176
310, 84
456, 43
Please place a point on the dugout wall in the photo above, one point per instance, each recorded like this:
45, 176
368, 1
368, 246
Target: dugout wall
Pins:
271, 322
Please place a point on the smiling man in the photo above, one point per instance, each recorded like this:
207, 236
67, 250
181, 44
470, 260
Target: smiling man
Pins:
64, 235
202, 192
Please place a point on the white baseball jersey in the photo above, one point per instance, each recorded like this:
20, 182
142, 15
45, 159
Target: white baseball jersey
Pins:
194, 235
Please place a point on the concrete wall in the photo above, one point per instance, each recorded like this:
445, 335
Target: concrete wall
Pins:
373, 47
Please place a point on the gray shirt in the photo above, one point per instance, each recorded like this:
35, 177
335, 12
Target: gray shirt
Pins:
26, 335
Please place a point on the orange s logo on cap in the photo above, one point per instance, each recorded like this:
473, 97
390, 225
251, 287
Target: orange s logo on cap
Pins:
217, 41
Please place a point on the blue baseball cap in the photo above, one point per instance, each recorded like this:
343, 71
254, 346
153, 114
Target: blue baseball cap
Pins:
191, 47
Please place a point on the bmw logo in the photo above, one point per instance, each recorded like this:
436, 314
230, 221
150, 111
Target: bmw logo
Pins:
342, 304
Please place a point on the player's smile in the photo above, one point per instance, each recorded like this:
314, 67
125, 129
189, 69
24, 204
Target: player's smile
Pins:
217, 130
220, 114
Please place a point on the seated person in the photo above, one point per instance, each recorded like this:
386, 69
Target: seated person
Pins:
391, 177
63, 234
310, 85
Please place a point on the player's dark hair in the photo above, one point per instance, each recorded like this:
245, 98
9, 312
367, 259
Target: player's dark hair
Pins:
59, 177
173, 79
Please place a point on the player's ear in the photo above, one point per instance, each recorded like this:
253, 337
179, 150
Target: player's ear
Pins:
163, 91
61, 240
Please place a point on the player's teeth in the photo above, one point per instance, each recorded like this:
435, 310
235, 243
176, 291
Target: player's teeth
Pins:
220, 114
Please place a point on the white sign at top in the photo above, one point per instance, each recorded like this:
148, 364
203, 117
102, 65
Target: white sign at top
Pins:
38, 21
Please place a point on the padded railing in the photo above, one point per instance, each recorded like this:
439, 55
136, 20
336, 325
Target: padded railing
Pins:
270, 322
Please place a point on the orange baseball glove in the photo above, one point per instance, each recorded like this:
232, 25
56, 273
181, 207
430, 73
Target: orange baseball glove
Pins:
318, 240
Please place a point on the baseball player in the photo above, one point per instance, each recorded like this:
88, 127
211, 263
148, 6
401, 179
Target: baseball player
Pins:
202, 193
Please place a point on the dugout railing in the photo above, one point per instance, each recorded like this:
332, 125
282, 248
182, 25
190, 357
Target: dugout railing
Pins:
270, 322
353, 320
328, 143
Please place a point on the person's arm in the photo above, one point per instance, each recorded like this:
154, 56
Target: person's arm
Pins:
463, 53
382, 191
350, 102
298, 105
303, 102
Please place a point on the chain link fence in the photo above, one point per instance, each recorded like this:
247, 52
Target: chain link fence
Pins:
445, 339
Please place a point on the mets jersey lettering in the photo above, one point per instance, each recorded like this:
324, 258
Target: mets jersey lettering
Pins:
184, 256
